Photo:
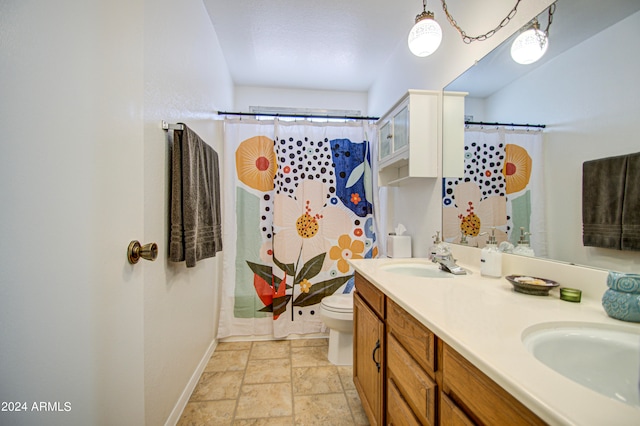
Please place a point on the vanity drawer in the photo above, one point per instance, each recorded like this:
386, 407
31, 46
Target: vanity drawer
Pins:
417, 388
450, 414
398, 412
414, 337
370, 294
481, 398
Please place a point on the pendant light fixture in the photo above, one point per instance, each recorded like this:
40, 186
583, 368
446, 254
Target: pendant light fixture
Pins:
426, 35
532, 43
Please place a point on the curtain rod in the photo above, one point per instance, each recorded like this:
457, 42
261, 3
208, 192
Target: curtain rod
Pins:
482, 123
261, 114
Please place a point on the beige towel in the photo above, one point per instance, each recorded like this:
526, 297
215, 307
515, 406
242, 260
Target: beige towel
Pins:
195, 199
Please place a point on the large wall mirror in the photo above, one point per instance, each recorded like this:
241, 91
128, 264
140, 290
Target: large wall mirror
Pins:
586, 90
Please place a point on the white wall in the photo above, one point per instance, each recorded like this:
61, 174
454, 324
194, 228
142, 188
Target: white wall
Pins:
418, 205
589, 99
248, 96
186, 80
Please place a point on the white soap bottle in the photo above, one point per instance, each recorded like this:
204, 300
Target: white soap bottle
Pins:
491, 258
523, 248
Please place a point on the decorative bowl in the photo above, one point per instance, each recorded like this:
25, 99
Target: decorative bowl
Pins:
531, 285
621, 305
626, 283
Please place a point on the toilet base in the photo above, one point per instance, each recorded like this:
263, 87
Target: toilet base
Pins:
340, 347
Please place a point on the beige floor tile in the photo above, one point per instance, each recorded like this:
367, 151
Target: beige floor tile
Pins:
315, 380
268, 371
310, 356
273, 421
208, 413
328, 409
359, 416
233, 346
270, 349
227, 361
309, 342
274, 383
217, 386
346, 376
264, 400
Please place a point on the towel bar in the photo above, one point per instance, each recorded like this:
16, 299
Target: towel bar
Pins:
167, 126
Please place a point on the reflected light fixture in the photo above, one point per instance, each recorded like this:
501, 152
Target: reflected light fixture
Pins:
530, 45
426, 35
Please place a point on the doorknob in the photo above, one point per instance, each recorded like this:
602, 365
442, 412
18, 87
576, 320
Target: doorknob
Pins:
137, 251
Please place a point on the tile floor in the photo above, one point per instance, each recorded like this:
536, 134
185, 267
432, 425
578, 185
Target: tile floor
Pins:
287, 382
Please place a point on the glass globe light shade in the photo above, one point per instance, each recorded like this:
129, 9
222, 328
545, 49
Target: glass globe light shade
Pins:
529, 46
425, 37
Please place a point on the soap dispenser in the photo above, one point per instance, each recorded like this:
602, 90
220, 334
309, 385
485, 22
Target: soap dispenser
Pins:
491, 258
523, 248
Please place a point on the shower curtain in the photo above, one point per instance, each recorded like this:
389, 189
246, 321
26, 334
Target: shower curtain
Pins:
502, 188
298, 205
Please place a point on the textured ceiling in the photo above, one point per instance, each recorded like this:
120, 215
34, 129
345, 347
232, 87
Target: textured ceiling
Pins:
312, 44
342, 45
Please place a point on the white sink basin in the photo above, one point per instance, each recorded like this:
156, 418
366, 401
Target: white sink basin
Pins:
416, 269
603, 358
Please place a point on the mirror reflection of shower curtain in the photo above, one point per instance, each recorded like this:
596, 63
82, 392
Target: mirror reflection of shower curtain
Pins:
298, 205
502, 188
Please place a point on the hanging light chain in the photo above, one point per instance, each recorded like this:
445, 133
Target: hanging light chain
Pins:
544, 36
468, 39
552, 10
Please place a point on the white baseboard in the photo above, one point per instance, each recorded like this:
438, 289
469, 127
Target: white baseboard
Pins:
173, 418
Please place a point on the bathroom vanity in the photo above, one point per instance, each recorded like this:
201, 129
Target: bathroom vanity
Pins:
449, 350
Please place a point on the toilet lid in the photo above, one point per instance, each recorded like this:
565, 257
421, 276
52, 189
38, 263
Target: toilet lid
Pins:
338, 302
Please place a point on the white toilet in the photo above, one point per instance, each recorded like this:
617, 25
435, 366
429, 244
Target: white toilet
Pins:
336, 312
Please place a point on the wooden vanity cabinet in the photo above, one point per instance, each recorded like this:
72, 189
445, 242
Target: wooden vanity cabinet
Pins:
481, 399
369, 348
405, 375
411, 367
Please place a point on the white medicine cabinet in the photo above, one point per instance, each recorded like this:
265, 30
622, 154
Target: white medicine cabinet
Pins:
409, 136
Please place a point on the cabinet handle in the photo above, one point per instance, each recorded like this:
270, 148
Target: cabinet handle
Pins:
389, 136
373, 354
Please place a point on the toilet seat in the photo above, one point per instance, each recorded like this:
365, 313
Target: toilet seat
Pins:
340, 303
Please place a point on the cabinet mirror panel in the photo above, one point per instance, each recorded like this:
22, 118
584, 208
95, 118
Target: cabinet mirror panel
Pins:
585, 91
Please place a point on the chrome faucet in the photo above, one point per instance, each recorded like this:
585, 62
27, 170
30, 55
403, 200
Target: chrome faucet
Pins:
448, 264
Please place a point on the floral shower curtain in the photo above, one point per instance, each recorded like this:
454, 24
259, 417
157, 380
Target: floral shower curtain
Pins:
502, 187
299, 204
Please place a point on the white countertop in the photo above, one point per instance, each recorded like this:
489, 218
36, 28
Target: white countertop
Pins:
484, 319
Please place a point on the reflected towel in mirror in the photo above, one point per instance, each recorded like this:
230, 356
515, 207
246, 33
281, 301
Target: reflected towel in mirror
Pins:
603, 182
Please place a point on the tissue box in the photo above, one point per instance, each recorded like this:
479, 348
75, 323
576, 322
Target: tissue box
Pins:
399, 246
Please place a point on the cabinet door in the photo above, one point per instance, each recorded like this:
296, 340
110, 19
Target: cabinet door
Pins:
385, 140
401, 129
368, 359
